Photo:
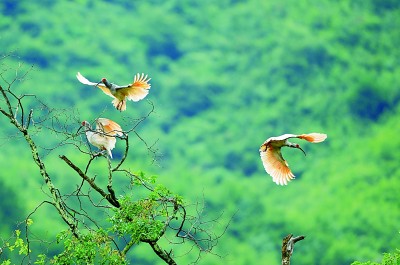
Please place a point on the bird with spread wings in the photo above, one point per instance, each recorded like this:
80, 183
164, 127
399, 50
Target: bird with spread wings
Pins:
272, 159
136, 91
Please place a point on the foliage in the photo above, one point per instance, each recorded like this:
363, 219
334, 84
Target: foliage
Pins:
92, 248
140, 226
388, 259
19, 244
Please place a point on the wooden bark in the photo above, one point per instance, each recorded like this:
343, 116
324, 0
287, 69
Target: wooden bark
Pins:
287, 247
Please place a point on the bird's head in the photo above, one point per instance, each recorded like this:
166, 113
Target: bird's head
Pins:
86, 125
106, 83
298, 147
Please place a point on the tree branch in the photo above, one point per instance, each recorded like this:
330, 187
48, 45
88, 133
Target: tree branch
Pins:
109, 197
162, 253
58, 203
287, 247
125, 137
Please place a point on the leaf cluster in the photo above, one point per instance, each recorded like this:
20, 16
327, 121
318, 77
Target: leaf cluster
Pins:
95, 247
388, 259
138, 219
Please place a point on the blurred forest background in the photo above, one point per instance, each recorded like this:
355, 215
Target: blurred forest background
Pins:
226, 75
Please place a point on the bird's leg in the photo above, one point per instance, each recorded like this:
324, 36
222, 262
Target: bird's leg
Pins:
292, 145
120, 105
101, 152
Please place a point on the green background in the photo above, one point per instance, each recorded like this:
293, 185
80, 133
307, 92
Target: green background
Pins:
226, 75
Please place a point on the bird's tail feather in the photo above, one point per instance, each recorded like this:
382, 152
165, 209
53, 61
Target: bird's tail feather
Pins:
109, 153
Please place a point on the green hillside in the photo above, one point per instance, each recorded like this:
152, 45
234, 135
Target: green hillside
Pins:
226, 75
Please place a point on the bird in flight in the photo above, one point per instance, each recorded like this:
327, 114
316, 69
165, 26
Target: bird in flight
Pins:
103, 136
272, 159
136, 91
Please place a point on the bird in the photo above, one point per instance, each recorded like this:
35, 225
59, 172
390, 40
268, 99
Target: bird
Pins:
271, 156
136, 91
104, 135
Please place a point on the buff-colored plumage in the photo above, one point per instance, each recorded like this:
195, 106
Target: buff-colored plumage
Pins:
136, 91
103, 136
272, 159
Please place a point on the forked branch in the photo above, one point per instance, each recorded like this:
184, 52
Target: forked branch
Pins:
287, 247
109, 197
57, 200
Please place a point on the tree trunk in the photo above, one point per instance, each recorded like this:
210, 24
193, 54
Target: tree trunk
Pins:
287, 247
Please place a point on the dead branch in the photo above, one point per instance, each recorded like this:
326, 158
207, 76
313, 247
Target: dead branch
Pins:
288, 246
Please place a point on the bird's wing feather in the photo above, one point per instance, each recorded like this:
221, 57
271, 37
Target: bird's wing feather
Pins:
105, 90
281, 137
83, 80
313, 137
138, 90
275, 165
101, 141
100, 85
108, 126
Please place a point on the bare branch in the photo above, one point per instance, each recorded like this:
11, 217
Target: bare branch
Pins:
91, 182
288, 246
125, 138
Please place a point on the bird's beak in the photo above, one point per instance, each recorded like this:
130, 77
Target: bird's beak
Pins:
302, 150
80, 127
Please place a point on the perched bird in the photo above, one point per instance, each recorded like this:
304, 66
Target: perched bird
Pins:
271, 156
136, 91
103, 136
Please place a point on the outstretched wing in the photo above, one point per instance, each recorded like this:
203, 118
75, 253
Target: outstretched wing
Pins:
273, 161
100, 85
109, 127
138, 90
282, 138
275, 165
84, 81
313, 137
